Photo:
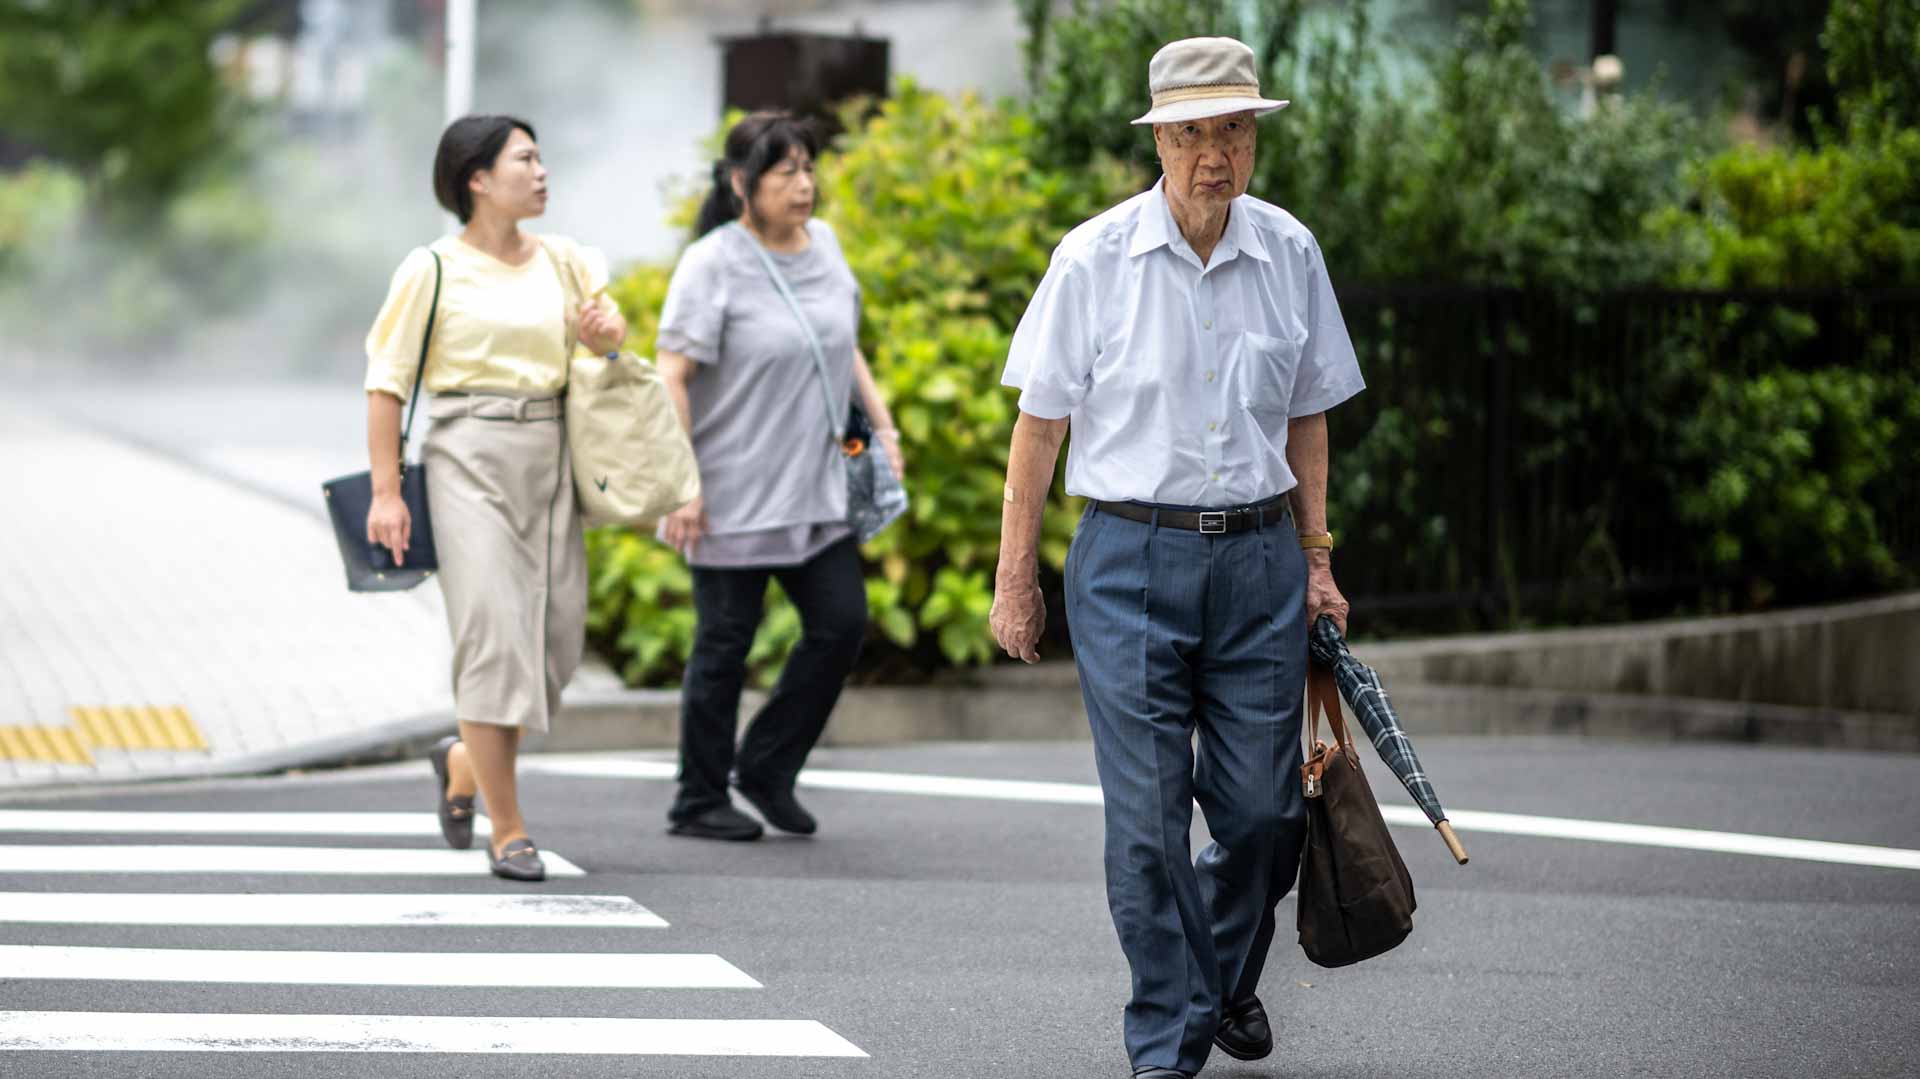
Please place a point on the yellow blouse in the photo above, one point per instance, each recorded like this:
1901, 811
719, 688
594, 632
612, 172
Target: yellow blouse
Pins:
500, 329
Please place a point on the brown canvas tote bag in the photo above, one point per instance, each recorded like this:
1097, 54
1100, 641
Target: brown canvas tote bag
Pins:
1355, 897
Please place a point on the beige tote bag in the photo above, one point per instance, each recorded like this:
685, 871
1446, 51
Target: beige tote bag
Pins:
632, 462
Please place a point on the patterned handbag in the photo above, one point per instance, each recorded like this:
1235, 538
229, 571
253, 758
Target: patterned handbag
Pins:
875, 498
370, 566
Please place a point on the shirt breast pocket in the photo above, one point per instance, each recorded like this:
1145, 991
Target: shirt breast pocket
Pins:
1266, 367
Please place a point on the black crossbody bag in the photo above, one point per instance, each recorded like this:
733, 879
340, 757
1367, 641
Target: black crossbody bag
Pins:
370, 566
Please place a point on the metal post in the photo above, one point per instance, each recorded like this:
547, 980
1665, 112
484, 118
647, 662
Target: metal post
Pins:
1495, 603
462, 18
1600, 37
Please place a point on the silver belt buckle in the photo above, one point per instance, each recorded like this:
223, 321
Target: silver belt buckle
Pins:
1213, 522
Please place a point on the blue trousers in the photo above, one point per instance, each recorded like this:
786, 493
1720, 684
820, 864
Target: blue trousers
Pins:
1177, 633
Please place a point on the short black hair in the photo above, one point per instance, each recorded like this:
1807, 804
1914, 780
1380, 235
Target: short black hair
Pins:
757, 143
470, 144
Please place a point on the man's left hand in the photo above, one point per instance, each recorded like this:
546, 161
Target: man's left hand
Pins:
1323, 596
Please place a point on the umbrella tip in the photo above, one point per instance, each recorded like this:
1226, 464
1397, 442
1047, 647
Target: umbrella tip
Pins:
1452, 841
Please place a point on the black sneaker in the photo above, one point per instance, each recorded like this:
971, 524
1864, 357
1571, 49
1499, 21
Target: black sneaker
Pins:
780, 809
720, 822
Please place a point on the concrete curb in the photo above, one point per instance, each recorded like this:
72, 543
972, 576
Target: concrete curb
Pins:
1043, 704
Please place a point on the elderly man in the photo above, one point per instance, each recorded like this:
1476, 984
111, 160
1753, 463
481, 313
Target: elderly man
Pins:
1191, 339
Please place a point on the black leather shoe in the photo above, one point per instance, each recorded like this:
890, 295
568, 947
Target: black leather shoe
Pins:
780, 809
720, 822
1160, 1073
1244, 1033
456, 814
520, 861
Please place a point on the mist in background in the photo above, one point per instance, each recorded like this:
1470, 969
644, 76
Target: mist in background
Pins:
273, 261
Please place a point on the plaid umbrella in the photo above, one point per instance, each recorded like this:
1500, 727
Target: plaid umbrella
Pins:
1368, 698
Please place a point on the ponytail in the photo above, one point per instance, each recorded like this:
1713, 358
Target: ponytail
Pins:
721, 206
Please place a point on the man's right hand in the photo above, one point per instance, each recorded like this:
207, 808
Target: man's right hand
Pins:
1018, 618
390, 525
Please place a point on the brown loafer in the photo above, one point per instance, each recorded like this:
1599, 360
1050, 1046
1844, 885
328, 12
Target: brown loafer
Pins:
456, 814
519, 860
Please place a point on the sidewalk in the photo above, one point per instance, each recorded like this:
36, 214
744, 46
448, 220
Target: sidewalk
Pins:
146, 604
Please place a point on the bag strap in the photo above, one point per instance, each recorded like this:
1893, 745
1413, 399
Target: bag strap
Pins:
1323, 693
571, 292
813, 340
420, 368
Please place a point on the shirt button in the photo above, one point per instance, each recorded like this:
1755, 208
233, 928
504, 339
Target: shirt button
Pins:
1209, 376
1216, 477
1212, 426
1209, 324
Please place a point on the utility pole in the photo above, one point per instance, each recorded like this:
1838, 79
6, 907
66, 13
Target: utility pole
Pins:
1600, 34
462, 18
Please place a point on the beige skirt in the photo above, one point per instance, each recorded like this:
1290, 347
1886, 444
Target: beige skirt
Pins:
513, 561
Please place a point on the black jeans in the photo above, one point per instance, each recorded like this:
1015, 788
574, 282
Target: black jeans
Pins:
830, 593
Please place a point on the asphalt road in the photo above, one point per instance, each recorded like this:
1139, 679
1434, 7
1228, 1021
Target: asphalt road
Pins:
950, 937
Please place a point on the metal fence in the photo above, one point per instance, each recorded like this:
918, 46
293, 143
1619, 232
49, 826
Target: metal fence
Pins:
1520, 456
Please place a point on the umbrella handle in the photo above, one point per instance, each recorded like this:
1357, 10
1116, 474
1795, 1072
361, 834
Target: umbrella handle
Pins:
1452, 841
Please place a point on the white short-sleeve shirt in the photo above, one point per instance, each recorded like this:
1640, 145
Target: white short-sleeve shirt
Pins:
1180, 378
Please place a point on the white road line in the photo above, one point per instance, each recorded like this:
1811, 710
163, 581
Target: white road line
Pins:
186, 1032
1464, 820
1648, 835
145, 822
1006, 790
589, 970
179, 908
193, 858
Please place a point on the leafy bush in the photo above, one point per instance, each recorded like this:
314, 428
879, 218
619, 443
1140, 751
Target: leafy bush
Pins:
1471, 170
949, 225
1873, 55
1787, 463
1844, 214
39, 207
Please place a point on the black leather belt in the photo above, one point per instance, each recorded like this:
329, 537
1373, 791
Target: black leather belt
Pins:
1210, 522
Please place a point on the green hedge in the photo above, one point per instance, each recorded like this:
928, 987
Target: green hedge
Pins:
1472, 170
949, 226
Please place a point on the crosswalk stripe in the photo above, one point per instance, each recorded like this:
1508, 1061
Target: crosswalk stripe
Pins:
145, 822
197, 858
181, 908
216, 1033
589, 970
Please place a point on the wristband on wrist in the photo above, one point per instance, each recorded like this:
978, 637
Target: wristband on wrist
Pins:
1311, 540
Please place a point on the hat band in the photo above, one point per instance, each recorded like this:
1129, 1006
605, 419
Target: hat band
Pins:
1197, 93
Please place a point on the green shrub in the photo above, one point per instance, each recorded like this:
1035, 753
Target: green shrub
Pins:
1785, 468
1471, 168
1843, 214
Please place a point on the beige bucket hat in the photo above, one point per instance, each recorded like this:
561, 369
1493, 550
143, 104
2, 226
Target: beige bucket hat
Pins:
1199, 77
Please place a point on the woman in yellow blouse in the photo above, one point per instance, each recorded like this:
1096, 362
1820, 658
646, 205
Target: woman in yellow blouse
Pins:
500, 484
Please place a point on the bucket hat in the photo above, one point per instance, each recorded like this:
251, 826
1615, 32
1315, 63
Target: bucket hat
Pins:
1198, 77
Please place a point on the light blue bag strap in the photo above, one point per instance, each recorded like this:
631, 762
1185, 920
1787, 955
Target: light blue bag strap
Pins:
834, 419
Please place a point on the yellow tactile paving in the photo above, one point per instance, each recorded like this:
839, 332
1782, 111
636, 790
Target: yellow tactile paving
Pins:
180, 726
38, 743
68, 746
143, 728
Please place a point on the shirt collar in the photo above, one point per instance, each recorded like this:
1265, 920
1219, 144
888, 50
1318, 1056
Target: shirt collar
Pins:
1156, 228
